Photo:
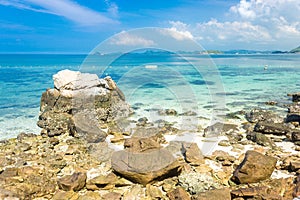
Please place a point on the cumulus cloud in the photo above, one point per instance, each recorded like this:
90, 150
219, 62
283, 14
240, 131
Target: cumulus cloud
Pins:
66, 8
126, 39
250, 24
178, 31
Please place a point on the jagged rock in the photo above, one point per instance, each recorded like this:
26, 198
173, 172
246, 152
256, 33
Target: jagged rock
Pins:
272, 128
260, 139
74, 182
257, 115
254, 168
146, 166
154, 192
192, 154
219, 129
79, 103
215, 194
178, 194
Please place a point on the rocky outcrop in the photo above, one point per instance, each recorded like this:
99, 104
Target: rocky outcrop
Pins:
272, 128
79, 103
254, 168
257, 115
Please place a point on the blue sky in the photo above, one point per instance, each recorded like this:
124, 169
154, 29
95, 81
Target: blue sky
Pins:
78, 26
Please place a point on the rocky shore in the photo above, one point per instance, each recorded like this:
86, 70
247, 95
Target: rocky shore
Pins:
89, 148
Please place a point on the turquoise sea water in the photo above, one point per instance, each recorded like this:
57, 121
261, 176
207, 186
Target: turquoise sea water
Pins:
151, 81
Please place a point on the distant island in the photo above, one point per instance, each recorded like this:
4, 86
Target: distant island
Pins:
210, 52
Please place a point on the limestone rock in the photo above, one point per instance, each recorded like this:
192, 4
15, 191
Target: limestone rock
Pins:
154, 192
73, 182
112, 196
178, 194
254, 168
272, 128
79, 104
146, 166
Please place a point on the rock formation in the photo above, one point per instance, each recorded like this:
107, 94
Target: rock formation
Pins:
79, 103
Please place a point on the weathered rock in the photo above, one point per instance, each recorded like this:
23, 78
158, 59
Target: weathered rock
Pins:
260, 139
215, 194
73, 182
102, 181
195, 183
145, 167
296, 136
113, 196
193, 154
136, 145
270, 189
178, 194
257, 115
154, 192
79, 103
254, 168
86, 126
272, 128
219, 129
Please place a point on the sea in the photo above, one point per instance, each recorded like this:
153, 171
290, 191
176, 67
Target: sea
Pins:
211, 86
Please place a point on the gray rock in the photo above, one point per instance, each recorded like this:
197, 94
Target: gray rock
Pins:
272, 128
295, 97
145, 167
257, 115
219, 129
292, 117
260, 139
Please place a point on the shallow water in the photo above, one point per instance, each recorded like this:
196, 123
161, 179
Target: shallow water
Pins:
234, 83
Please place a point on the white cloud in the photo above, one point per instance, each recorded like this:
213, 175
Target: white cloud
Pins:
66, 8
261, 24
126, 39
178, 31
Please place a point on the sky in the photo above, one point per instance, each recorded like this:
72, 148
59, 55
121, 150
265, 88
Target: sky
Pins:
78, 26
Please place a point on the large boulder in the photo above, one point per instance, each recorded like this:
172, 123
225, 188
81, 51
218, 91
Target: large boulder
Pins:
145, 167
254, 168
79, 103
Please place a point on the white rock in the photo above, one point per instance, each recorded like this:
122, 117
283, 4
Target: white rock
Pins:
74, 80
